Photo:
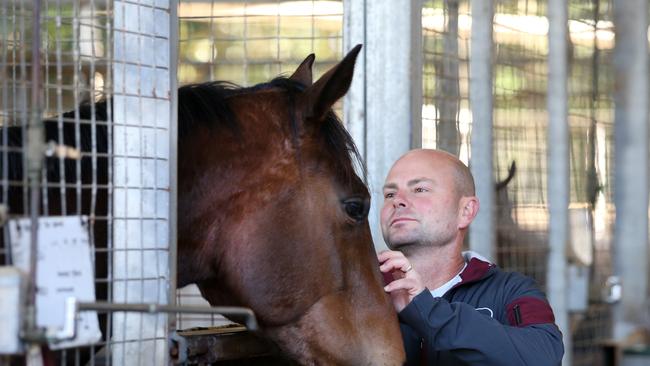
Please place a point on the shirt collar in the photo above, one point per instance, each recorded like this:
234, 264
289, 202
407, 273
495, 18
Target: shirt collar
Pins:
440, 291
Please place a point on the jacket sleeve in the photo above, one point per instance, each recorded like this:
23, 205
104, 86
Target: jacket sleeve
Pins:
477, 339
412, 345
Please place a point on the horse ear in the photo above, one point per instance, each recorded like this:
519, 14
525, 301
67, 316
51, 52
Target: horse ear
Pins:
331, 86
303, 72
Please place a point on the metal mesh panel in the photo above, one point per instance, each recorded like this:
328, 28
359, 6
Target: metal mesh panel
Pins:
520, 135
591, 117
446, 117
75, 69
15, 24
248, 42
520, 118
141, 166
110, 99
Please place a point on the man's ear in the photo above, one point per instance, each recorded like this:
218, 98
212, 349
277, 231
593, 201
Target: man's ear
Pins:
468, 210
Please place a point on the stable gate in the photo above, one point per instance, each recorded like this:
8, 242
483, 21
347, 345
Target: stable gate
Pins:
103, 74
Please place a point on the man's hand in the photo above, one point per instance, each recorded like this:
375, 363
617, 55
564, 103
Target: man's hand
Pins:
407, 283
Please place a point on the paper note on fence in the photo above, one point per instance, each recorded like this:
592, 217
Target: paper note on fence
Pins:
64, 270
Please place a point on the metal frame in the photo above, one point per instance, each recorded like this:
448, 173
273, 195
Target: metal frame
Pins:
245, 314
482, 232
142, 101
383, 107
631, 174
35, 152
558, 167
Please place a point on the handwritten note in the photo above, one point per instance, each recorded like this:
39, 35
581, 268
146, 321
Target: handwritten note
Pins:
64, 270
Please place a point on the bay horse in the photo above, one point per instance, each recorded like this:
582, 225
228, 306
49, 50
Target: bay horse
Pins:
272, 216
271, 213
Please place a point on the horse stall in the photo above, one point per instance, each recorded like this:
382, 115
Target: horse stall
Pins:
92, 182
88, 128
531, 105
100, 152
551, 174
548, 117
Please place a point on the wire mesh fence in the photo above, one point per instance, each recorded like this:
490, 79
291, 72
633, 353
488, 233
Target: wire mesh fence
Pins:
106, 92
520, 136
106, 102
520, 118
75, 65
247, 42
446, 117
591, 116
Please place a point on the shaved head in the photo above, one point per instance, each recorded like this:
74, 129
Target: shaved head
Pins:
463, 179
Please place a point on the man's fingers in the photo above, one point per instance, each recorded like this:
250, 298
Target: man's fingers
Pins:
396, 285
410, 285
389, 254
393, 261
395, 264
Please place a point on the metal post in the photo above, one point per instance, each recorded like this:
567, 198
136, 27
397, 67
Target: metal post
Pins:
173, 154
35, 145
244, 315
389, 86
481, 238
558, 169
143, 161
631, 165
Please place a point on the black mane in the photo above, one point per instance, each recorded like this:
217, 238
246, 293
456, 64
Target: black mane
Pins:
206, 104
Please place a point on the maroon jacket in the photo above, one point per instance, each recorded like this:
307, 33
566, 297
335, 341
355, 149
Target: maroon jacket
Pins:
490, 318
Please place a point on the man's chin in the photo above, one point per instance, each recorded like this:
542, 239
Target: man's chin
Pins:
399, 245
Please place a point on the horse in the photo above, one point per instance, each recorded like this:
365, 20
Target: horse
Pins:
273, 216
518, 249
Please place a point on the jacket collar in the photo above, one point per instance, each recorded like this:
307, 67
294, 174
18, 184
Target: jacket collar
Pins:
478, 267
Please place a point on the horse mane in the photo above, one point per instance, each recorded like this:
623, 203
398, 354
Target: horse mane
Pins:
205, 104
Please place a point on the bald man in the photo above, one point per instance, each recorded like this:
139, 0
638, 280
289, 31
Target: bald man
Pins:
455, 307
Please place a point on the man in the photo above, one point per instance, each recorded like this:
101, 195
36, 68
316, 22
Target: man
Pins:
455, 307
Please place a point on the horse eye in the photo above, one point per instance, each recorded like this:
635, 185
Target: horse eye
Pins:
356, 208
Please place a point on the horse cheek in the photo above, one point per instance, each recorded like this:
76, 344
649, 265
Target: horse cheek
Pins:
278, 287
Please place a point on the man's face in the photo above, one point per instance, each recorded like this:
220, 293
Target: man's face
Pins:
420, 201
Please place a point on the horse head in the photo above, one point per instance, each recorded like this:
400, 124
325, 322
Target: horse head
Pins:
272, 216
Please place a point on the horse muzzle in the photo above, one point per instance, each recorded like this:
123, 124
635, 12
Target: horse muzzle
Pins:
339, 330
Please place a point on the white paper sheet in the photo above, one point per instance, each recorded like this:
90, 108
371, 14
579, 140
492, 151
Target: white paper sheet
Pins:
64, 270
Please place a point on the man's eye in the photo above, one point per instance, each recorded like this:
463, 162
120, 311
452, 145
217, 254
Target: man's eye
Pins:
389, 195
420, 189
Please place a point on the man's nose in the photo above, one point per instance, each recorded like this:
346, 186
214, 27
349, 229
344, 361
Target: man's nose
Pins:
399, 201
